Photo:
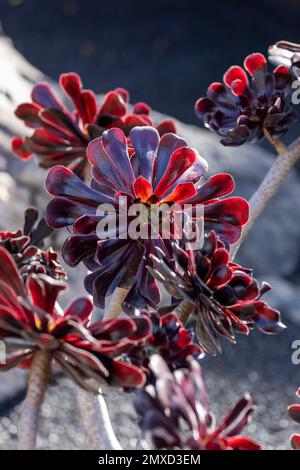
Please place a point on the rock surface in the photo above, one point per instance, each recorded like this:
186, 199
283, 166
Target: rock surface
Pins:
259, 363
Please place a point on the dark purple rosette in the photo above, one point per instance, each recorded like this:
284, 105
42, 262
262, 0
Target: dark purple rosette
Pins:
162, 172
61, 135
174, 413
225, 297
242, 110
30, 320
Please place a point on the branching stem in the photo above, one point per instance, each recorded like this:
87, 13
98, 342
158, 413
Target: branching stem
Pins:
269, 187
93, 408
276, 143
37, 384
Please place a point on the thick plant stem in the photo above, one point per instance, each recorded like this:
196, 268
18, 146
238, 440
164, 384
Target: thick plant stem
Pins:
276, 143
97, 421
183, 310
37, 384
114, 304
93, 408
268, 188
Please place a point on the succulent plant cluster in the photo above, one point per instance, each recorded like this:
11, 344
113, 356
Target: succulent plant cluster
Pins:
160, 171
61, 135
30, 320
26, 247
108, 157
226, 298
240, 111
175, 415
168, 338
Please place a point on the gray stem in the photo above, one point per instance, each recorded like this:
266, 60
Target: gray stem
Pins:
269, 187
97, 421
37, 384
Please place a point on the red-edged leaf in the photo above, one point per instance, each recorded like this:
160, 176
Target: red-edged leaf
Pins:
295, 441
181, 160
142, 188
43, 96
237, 418
242, 443
215, 187
113, 330
141, 108
143, 328
77, 248
113, 104
255, 61
294, 412
81, 308
16, 359
145, 141
44, 291
63, 182
115, 144
124, 93
29, 113
233, 210
167, 146
9, 273
220, 276
181, 192
107, 167
235, 73
166, 127
84, 100
19, 148
126, 375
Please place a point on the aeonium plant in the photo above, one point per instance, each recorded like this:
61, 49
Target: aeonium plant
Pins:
223, 297
27, 245
32, 326
247, 107
61, 134
169, 339
162, 171
174, 413
105, 159
39, 336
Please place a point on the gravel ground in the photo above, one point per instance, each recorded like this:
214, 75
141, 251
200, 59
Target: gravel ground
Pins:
259, 364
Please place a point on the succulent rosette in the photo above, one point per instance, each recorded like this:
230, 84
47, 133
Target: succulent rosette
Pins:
174, 413
61, 135
30, 320
294, 414
161, 172
286, 53
26, 245
168, 338
241, 110
225, 298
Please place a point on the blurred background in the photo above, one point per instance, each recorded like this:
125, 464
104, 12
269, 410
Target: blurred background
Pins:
165, 53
